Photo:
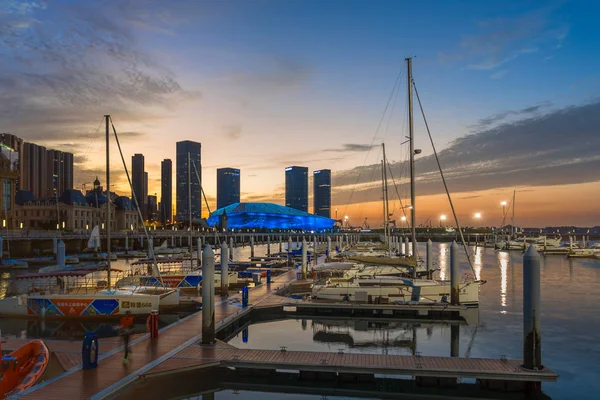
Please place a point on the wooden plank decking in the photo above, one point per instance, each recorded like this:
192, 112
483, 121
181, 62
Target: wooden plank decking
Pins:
83, 384
442, 367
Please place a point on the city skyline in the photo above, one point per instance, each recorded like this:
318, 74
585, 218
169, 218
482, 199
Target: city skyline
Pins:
510, 103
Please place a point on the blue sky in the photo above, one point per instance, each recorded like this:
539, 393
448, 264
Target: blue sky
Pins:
265, 84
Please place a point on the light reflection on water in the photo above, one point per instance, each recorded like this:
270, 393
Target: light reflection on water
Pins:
570, 306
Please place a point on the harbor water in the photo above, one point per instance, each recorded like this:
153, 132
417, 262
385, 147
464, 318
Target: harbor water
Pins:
570, 309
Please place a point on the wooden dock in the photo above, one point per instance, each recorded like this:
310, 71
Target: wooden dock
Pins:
111, 374
177, 349
201, 356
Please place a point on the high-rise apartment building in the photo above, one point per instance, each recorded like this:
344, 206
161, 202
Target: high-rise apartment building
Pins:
322, 193
152, 206
296, 188
166, 191
138, 181
45, 173
228, 186
190, 149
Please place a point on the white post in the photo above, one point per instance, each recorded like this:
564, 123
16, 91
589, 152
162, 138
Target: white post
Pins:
251, 245
150, 249
290, 247
224, 270
454, 275
208, 295
60, 254
304, 258
532, 333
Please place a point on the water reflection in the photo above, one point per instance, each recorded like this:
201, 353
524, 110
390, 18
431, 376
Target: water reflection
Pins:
478, 262
503, 259
442, 261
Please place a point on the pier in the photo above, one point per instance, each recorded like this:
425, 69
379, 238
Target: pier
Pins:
180, 348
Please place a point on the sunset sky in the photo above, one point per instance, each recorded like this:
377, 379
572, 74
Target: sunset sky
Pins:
510, 90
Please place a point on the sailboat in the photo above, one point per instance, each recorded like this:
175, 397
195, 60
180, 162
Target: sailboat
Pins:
102, 302
391, 288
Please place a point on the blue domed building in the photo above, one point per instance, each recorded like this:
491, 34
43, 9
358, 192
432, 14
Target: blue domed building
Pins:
268, 216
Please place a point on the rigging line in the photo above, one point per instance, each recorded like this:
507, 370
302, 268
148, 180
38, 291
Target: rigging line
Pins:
89, 148
398, 194
375, 170
444, 180
137, 206
375, 136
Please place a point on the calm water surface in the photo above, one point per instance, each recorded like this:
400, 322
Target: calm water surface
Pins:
570, 322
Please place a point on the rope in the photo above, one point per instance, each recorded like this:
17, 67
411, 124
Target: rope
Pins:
374, 138
444, 180
134, 200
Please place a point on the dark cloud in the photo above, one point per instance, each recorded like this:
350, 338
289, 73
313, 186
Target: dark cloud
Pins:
557, 148
469, 197
352, 147
65, 65
491, 120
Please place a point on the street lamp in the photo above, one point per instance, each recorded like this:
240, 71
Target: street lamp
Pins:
442, 218
477, 216
503, 204
336, 210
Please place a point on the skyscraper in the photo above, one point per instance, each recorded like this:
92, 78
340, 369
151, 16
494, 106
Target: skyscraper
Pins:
138, 178
296, 188
166, 191
59, 172
152, 206
228, 186
193, 149
322, 192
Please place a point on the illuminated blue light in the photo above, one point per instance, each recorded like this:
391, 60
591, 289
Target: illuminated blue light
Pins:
268, 216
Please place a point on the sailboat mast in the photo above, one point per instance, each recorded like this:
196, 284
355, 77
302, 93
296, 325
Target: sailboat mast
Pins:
190, 200
413, 217
107, 117
386, 207
513, 214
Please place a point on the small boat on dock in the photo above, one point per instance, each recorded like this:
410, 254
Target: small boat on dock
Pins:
23, 368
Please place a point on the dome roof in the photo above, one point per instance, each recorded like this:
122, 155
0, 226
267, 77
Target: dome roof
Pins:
97, 182
269, 216
123, 203
23, 196
96, 199
73, 197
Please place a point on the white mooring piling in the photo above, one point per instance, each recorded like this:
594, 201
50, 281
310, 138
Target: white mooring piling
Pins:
429, 255
224, 270
454, 275
150, 250
60, 254
289, 248
532, 334
304, 258
208, 295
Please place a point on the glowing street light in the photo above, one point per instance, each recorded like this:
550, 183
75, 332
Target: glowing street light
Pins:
477, 215
442, 218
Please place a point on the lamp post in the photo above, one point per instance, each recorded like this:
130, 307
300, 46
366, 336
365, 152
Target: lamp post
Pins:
442, 218
503, 204
346, 219
336, 210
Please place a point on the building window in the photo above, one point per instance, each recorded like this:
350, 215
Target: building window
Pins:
6, 194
